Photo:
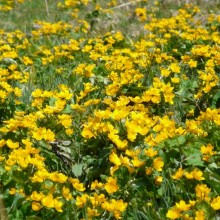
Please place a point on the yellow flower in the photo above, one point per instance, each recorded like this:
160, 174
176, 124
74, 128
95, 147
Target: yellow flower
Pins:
92, 212
113, 169
168, 93
206, 149
186, 217
137, 162
202, 192
58, 177
150, 152
175, 80
165, 72
192, 63
183, 206
197, 174
192, 202
149, 171
36, 206
216, 203
97, 199
152, 94
43, 133
2, 158
178, 174
40, 176
200, 215
158, 164
174, 68
27, 61
81, 200
113, 157
48, 201
66, 193
96, 185
65, 120
173, 213
111, 185
188, 175
207, 152
125, 161
57, 205
12, 191
87, 133
114, 205
121, 205
141, 13
12, 144
69, 131
37, 196
77, 185
158, 180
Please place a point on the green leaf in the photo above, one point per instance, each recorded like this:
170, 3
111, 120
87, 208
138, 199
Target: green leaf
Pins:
52, 101
65, 149
19, 215
195, 160
66, 143
160, 191
19, 176
215, 99
193, 155
181, 140
212, 178
77, 169
67, 110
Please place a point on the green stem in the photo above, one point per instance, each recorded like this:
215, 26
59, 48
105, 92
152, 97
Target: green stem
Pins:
3, 212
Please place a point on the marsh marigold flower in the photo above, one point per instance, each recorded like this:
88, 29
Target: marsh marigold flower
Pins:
216, 203
12, 191
158, 180
158, 164
81, 200
12, 144
36, 206
111, 185
183, 206
178, 174
137, 162
200, 215
58, 177
141, 13
2, 143
195, 174
66, 193
150, 152
207, 152
202, 192
48, 201
113, 157
96, 185
77, 185
37, 196
173, 213
57, 205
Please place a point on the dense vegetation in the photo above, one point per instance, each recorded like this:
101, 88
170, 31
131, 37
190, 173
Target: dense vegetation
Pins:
109, 110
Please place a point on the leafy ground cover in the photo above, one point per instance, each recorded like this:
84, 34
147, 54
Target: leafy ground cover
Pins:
109, 110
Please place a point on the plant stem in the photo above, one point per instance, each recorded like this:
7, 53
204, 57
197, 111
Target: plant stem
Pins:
3, 213
46, 5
